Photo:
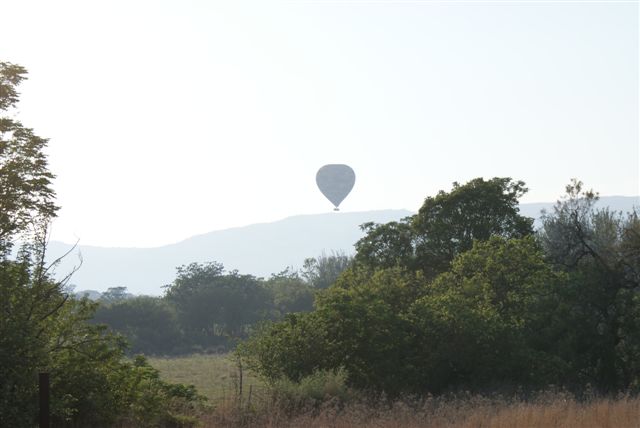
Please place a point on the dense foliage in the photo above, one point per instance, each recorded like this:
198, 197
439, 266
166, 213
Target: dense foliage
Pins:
466, 295
445, 226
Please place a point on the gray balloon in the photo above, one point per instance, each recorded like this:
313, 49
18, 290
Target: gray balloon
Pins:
335, 181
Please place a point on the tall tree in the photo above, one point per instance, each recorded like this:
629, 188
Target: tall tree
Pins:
600, 251
447, 225
28, 299
25, 181
213, 305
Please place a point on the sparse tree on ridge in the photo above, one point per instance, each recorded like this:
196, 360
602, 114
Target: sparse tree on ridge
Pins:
114, 295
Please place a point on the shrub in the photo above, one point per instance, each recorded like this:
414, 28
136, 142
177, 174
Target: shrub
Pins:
320, 386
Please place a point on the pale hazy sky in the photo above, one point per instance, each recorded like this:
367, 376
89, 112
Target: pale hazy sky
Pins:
172, 118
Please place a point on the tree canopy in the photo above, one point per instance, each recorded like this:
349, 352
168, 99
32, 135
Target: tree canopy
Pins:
26, 194
447, 225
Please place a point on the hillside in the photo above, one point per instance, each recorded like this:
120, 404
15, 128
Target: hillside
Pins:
258, 249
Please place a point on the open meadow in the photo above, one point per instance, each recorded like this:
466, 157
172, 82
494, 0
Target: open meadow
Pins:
216, 376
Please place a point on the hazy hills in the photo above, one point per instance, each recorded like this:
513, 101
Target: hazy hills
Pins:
258, 249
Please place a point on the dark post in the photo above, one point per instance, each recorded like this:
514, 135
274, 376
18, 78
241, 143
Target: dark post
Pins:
43, 380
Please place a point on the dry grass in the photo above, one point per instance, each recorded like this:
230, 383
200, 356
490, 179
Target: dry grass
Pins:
216, 376
474, 412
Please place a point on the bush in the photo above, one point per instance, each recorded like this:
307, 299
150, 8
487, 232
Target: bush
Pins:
319, 387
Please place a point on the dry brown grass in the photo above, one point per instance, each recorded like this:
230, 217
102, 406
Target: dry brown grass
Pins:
474, 412
216, 377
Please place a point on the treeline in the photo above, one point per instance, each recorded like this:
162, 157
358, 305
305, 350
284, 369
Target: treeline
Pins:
206, 309
465, 295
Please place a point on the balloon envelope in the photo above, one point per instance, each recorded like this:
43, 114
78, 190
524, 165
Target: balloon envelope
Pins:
335, 181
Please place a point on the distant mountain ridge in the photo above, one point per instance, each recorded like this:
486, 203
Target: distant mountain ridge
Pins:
258, 249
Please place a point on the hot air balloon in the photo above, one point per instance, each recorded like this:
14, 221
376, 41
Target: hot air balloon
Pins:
335, 181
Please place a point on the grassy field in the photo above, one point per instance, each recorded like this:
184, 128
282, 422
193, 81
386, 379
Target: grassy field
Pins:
216, 376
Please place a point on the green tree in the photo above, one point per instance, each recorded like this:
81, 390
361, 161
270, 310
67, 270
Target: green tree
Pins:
29, 301
322, 271
387, 245
150, 324
364, 314
600, 252
293, 348
490, 320
358, 325
115, 294
290, 293
447, 225
214, 306
25, 181
190, 278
